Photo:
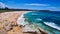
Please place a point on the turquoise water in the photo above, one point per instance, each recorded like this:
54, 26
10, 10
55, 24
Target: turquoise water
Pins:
48, 21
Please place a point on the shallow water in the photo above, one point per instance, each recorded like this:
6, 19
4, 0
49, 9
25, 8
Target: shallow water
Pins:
49, 21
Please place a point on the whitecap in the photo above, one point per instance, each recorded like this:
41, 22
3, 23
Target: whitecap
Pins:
34, 14
39, 19
51, 24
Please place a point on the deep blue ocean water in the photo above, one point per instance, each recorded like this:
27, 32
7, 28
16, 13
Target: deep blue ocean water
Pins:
49, 20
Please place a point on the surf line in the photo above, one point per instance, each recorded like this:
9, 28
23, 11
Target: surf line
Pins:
20, 20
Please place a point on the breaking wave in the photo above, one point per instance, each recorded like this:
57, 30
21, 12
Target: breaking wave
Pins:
51, 24
20, 20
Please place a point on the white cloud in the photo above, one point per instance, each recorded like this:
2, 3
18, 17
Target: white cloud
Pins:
2, 5
38, 4
52, 7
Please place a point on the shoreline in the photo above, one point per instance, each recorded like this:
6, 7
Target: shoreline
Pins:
21, 18
10, 18
25, 26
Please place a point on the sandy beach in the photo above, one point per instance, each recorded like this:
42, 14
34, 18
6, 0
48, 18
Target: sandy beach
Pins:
8, 22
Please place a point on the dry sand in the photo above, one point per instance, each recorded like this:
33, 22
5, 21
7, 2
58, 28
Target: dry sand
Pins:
8, 22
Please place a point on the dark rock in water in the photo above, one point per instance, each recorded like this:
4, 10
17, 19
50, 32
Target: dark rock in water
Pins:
42, 32
30, 32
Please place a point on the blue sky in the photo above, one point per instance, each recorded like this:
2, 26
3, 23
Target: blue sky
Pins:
32, 4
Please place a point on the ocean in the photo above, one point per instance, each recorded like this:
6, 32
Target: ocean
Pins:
49, 21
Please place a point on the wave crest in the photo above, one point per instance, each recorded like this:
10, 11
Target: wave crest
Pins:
51, 24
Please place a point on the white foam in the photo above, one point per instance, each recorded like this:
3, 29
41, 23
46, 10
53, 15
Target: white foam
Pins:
34, 14
39, 19
52, 25
20, 20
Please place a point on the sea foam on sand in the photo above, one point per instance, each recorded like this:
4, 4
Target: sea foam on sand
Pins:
20, 20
